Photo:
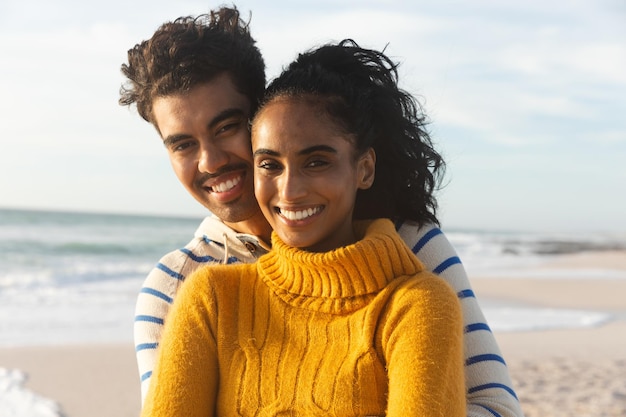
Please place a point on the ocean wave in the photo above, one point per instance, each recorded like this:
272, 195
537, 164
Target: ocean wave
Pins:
86, 271
510, 244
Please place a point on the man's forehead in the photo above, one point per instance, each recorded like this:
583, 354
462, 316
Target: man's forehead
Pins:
203, 105
217, 92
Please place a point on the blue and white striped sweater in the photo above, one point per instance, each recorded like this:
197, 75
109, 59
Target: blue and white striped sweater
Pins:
489, 388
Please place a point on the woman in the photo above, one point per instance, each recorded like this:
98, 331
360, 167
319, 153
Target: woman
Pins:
340, 318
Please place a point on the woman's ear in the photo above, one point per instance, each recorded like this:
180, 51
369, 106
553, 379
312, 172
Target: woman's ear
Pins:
366, 169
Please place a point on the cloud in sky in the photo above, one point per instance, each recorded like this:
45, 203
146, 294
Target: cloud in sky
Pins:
526, 101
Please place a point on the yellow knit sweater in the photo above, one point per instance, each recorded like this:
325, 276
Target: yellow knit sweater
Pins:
359, 331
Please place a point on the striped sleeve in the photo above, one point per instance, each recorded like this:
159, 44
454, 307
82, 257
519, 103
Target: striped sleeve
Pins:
489, 387
155, 301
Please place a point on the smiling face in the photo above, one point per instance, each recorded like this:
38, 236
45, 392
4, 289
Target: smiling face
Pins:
206, 135
307, 174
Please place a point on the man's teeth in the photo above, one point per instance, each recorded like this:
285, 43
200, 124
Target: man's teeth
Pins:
301, 214
225, 186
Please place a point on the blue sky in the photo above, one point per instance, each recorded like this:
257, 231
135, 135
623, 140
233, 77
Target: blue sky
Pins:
527, 102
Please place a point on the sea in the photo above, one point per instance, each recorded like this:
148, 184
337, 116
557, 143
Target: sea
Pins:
68, 277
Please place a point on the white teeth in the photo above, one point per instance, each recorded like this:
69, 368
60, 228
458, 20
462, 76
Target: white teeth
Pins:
299, 215
225, 186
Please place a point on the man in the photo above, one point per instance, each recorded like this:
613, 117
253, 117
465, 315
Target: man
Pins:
199, 81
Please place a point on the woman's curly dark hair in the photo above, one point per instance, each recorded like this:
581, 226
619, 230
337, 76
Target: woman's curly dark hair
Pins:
191, 51
359, 91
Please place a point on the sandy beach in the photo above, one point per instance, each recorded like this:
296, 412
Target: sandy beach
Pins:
571, 372
85, 380
556, 373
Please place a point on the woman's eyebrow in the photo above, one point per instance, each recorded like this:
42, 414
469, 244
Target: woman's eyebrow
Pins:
264, 151
317, 148
305, 151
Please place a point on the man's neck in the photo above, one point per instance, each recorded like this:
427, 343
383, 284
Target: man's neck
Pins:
256, 225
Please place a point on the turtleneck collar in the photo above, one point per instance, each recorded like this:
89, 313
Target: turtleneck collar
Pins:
342, 280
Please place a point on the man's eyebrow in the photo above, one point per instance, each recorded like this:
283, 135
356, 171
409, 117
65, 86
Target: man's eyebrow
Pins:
227, 114
172, 139
305, 151
220, 117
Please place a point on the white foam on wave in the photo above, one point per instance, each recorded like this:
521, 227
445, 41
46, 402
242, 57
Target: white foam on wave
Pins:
523, 318
17, 401
93, 312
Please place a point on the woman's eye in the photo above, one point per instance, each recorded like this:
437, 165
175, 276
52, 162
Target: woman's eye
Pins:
267, 165
317, 163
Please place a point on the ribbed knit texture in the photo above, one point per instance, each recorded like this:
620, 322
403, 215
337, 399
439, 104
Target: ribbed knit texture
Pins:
359, 331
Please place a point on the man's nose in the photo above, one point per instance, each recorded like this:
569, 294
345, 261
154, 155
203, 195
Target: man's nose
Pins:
211, 158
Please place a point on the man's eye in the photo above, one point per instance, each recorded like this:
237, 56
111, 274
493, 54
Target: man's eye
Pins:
230, 126
181, 146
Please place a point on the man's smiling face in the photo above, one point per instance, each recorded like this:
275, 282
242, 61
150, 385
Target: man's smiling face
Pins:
206, 135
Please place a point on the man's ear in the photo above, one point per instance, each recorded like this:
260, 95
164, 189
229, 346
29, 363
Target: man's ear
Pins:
367, 169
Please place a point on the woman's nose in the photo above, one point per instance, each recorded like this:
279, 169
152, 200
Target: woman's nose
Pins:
293, 185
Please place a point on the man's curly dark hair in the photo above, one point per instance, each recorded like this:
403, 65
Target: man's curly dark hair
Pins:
190, 51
